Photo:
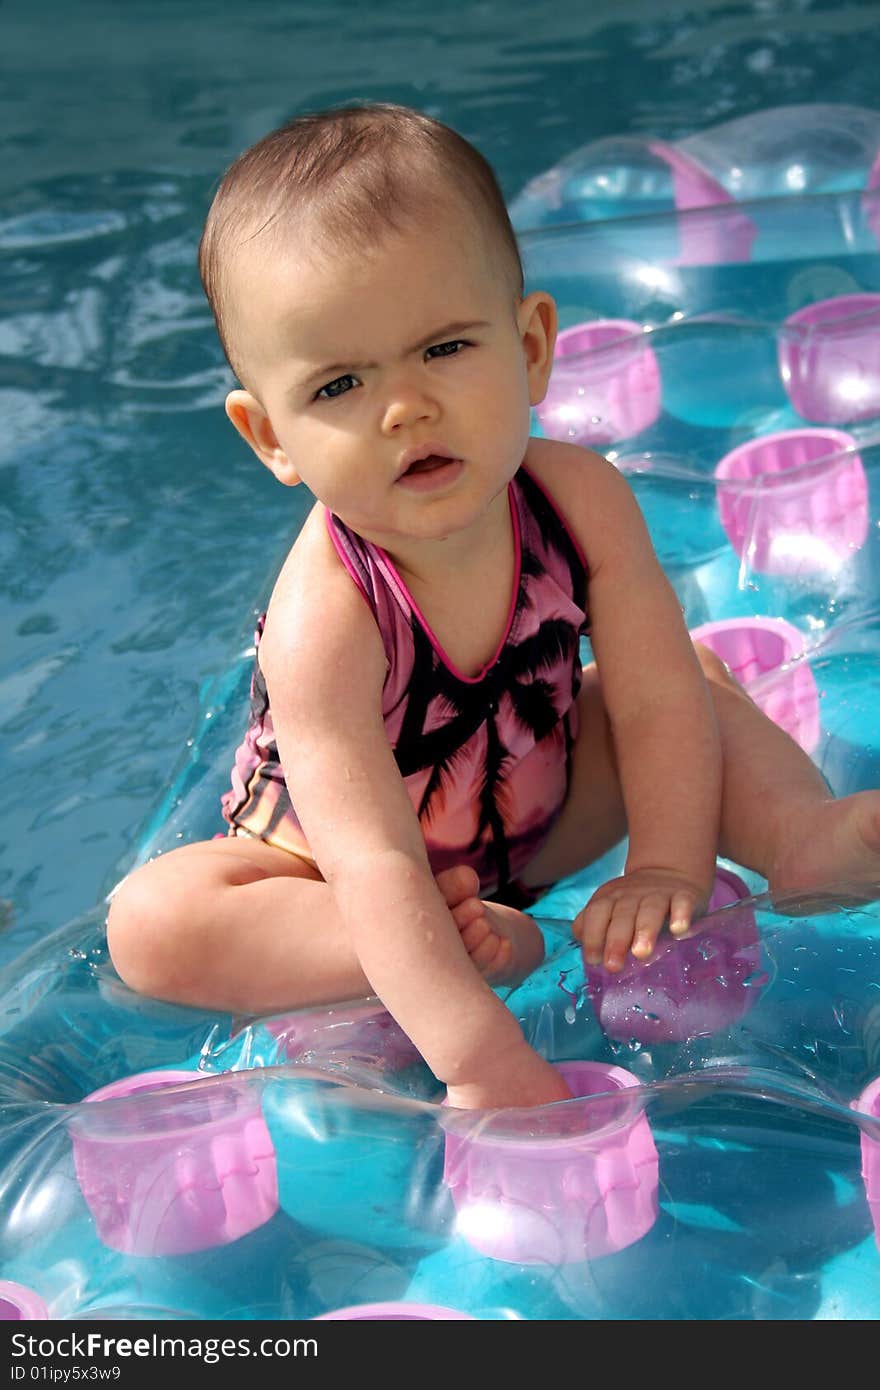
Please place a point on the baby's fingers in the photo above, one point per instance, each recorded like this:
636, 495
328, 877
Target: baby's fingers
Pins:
652, 913
681, 912
619, 937
591, 927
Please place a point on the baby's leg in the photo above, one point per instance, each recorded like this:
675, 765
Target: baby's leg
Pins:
238, 925
777, 813
232, 924
778, 816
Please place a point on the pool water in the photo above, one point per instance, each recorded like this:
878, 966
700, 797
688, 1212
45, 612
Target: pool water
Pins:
138, 537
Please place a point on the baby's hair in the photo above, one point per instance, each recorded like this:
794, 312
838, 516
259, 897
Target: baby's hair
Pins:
365, 171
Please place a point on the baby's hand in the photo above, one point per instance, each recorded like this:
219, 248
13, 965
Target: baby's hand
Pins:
628, 913
526, 1080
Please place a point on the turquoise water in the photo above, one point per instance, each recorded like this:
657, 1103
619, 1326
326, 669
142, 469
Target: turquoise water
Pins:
137, 537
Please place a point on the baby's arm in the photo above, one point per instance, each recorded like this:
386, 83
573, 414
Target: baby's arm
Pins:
665, 736
324, 665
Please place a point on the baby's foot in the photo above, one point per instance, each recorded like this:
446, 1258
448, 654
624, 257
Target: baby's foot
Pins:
505, 945
837, 844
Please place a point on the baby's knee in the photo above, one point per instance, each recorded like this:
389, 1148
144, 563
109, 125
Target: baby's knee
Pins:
143, 932
714, 669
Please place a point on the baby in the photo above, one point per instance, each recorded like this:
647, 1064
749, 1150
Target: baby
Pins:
425, 753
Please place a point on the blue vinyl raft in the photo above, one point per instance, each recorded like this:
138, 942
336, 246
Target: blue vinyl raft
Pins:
722, 1158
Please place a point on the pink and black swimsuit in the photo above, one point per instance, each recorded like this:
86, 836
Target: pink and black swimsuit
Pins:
485, 758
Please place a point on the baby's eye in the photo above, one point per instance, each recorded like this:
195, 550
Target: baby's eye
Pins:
338, 387
446, 349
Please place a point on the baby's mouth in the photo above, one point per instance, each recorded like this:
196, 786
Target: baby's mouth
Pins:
428, 465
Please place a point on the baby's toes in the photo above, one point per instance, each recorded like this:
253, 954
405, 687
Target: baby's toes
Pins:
481, 944
468, 913
475, 934
458, 884
496, 970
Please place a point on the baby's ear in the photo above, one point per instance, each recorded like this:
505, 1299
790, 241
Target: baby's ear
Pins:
538, 321
255, 427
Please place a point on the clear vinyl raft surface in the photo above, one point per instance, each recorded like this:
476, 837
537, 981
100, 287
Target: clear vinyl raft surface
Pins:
722, 1157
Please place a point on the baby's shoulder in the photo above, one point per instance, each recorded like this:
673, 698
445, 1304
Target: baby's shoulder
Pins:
566, 466
588, 489
315, 605
309, 555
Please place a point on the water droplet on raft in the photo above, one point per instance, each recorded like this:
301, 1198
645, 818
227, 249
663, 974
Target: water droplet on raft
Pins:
570, 1014
76, 954
841, 1010
757, 977
652, 1018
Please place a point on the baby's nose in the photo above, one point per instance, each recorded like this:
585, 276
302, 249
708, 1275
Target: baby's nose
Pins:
407, 406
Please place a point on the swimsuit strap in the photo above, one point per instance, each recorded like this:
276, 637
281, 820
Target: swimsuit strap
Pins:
351, 551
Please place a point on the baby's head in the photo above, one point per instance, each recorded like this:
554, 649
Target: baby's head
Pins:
341, 178
368, 292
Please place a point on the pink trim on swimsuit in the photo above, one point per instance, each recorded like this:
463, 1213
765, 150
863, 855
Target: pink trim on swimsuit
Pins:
344, 554
553, 503
514, 595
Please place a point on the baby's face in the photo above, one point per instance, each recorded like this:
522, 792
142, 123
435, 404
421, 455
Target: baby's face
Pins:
396, 381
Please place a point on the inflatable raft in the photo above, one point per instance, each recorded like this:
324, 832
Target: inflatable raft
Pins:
721, 1159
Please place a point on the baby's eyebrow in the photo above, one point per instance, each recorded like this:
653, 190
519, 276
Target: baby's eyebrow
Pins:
446, 332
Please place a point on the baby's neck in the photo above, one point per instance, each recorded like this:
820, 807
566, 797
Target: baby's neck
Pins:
470, 552
465, 592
